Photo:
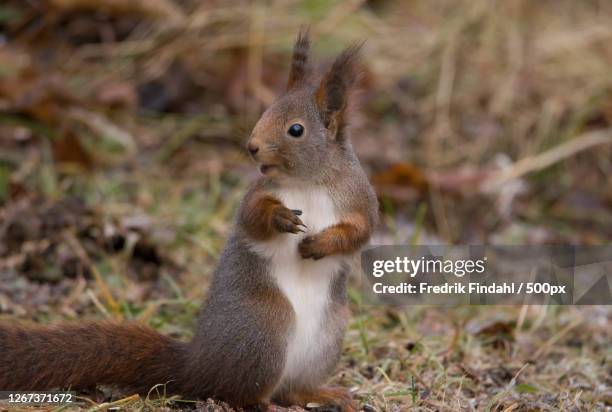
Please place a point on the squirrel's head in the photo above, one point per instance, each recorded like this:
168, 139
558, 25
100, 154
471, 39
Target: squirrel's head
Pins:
300, 133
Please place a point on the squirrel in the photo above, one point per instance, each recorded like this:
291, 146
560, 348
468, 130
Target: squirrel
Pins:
271, 328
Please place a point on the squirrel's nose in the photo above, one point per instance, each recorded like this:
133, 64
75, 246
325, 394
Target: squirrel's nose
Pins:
252, 148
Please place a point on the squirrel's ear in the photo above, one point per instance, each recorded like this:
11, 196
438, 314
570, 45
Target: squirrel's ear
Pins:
333, 92
299, 61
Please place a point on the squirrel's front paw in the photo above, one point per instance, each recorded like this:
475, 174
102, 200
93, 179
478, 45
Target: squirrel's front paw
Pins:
286, 220
313, 247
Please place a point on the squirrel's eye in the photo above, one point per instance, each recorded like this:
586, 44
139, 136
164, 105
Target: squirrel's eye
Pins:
296, 130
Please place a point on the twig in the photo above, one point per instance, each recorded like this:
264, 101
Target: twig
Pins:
106, 406
556, 337
548, 158
84, 257
97, 303
441, 129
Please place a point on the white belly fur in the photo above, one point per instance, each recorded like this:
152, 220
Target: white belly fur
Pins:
305, 282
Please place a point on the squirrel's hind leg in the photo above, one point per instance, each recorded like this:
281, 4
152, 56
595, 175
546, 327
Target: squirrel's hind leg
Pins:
339, 397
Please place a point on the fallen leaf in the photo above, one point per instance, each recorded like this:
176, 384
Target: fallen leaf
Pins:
491, 327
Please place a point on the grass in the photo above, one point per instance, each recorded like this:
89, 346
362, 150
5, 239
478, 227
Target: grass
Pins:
418, 358
480, 122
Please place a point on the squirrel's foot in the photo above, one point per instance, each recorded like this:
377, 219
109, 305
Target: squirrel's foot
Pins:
314, 247
326, 396
286, 220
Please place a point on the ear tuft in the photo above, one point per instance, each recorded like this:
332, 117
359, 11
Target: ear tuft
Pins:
299, 61
333, 92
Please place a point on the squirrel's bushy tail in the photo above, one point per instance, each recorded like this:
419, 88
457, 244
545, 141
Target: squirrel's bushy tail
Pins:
80, 355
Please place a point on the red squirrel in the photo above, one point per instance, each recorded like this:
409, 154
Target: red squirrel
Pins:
270, 330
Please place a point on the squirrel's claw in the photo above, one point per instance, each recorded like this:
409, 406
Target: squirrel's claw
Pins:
286, 221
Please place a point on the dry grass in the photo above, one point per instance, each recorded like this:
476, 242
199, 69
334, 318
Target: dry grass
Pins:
500, 110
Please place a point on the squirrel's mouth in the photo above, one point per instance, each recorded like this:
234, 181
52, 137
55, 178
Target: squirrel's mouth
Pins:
266, 168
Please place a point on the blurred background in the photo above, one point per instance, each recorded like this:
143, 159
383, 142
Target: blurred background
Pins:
122, 127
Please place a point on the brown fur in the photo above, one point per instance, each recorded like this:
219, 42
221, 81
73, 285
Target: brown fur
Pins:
127, 354
238, 351
345, 237
263, 215
299, 60
332, 94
